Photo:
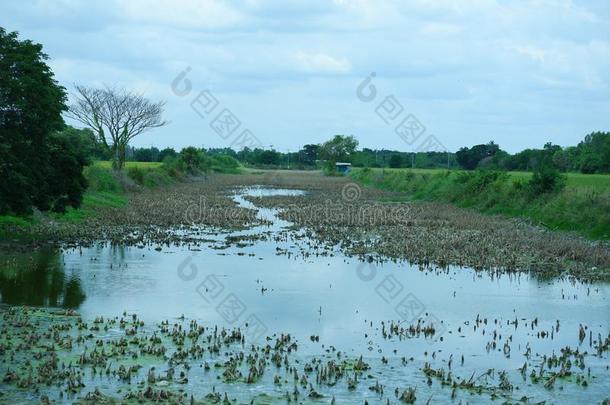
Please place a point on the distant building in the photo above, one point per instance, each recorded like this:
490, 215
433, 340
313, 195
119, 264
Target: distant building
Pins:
343, 168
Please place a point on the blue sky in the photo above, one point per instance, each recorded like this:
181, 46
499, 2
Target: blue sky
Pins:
520, 73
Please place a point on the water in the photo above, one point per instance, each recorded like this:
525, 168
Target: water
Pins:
339, 299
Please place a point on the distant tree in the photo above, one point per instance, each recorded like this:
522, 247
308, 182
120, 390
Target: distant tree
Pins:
163, 153
395, 161
116, 116
309, 154
340, 148
594, 153
145, 154
561, 160
469, 158
269, 157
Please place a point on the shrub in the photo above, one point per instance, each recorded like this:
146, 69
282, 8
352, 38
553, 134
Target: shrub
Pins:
102, 180
174, 167
546, 179
136, 174
155, 178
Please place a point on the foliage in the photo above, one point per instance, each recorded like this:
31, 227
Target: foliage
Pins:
101, 179
546, 179
34, 164
193, 159
163, 153
309, 154
592, 155
396, 161
66, 181
338, 149
471, 158
224, 164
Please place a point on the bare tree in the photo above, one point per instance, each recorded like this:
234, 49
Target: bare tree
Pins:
116, 116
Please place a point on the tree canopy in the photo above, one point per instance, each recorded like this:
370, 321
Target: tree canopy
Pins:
34, 156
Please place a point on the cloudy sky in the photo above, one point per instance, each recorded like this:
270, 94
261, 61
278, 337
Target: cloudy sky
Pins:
520, 73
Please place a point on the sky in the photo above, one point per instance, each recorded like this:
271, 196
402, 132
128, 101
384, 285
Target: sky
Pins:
441, 74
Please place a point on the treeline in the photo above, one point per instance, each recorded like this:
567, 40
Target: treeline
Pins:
308, 157
592, 155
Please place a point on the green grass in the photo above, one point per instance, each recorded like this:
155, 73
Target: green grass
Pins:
582, 206
107, 164
104, 190
596, 182
13, 221
92, 200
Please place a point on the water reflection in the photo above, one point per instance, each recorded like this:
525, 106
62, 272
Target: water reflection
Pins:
38, 278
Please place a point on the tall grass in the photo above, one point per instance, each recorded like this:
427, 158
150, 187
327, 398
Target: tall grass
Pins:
581, 208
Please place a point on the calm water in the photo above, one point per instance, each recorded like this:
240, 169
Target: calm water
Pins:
340, 299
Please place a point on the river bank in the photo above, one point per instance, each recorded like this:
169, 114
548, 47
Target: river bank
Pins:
583, 206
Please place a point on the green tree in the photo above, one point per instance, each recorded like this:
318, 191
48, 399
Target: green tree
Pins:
396, 161
165, 153
469, 158
68, 152
193, 159
31, 104
309, 154
339, 149
594, 153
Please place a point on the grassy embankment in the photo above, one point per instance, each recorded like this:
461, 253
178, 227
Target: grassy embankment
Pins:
106, 189
582, 206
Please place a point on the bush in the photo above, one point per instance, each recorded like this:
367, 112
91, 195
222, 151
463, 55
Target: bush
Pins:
102, 180
224, 164
545, 179
155, 178
136, 174
174, 167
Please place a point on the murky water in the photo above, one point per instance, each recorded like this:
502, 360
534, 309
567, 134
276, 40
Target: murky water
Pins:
339, 299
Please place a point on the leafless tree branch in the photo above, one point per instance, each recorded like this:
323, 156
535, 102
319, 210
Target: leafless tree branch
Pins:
116, 116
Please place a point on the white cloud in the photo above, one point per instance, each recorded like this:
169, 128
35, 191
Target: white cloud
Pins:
470, 68
321, 63
203, 14
531, 52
